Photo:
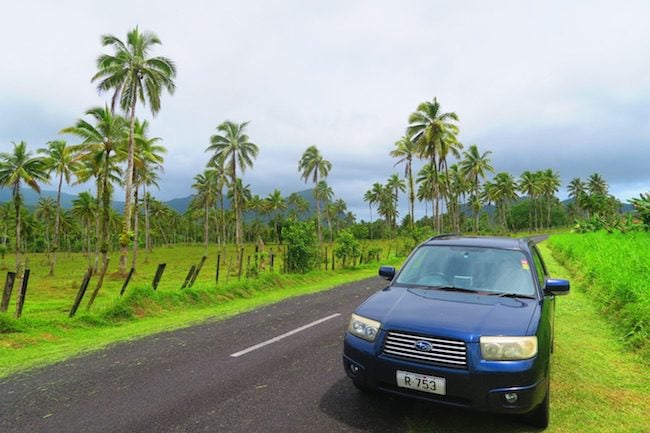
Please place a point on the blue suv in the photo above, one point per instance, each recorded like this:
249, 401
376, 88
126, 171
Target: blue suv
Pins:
466, 322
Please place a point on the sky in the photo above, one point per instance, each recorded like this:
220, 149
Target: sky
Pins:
554, 84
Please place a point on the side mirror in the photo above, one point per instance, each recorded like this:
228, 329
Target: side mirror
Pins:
556, 287
387, 272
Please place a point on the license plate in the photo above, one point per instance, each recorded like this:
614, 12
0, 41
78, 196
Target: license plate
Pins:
422, 382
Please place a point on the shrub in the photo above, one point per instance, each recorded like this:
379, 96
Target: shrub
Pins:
302, 246
347, 247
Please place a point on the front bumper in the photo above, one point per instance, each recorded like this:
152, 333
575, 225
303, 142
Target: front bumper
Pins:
482, 386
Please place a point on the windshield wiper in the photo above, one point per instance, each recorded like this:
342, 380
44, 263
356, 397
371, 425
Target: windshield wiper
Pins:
511, 295
455, 289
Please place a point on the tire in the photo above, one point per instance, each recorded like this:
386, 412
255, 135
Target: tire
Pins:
540, 416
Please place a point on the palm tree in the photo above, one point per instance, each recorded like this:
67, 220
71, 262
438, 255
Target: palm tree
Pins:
369, 197
235, 149
313, 165
62, 160
84, 207
530, 185
275, 205
577, 190
204, 184
428, 127
15, 168
502, 191
550, 183
148, 158
323, 192
596, 185
395, 184
297, 205
474, 167
133, 76
46, 214
426, 178
101, 144
405, 150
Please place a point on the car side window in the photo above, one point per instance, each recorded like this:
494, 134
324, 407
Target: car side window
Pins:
539, 267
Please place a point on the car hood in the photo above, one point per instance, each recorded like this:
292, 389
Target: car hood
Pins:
465, 316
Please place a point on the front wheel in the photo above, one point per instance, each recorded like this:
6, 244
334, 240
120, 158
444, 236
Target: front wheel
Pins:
539, 417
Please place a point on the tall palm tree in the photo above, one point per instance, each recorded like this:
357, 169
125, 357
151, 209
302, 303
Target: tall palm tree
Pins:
133, 76
63, 161
370, 198
313, 165
596, 185
297, 205
235, 149
530, 185
204, 184
101, 144
428, 127
425, 179
46, 214
324, 193
474, 166
577, 190
84, 208
16, 168
405, 150
275, 205
550, 185
502, 191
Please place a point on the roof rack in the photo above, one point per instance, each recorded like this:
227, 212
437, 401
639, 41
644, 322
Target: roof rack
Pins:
444, 236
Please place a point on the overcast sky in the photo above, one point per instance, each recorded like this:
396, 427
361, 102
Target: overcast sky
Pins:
561, 85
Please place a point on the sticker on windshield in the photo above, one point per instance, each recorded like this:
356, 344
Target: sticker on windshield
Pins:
524, 264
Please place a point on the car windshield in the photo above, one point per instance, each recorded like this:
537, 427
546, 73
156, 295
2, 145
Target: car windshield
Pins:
486, 270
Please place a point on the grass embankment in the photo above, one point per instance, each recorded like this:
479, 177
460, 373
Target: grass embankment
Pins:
45, 334
614, 270
596, 386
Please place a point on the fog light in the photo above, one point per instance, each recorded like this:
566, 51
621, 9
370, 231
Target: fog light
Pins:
354, 369
511, 397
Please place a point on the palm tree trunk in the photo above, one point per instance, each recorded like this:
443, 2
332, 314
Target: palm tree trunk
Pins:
370, 208
147, 229
106, 203
136, 218
56, 225
128, 186
17, 208
205, 227
411, 193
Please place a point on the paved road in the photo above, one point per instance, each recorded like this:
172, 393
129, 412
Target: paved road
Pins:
187, 380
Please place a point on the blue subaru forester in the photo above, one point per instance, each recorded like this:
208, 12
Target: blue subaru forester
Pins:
466, 322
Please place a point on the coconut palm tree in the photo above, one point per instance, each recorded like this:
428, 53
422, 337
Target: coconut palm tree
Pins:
46, 214
577, 190
275, 205
133, 76
405, 150
204, 184
502, 191
297, 205
530, 185
474, 166
19, 167
596, 185
370, 198
428, 126
234, 149
550, 183
63, 161
313, 165
324, 193
84, 208
395, 184
101, 144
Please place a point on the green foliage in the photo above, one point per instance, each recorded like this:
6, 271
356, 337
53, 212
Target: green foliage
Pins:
347, 247
642, 208
302, 246
616, 270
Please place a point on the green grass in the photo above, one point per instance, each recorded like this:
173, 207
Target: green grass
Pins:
45, 334
614, 269
596, 386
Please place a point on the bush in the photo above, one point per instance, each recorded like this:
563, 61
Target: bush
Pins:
302, 246
347, 247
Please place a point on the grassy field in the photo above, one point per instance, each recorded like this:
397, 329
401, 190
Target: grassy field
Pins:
597, 386
614, 269
45, 334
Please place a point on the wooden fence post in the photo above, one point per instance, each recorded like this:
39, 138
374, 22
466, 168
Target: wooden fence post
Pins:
332, 259
158, 276
6, 295
126, 282
20, 302
326, 259
99, 283
81, 292
197, 270
272, 260
241, 261
218, 265
189, 276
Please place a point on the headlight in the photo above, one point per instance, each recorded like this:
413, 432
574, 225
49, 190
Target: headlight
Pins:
364, 327
508, 348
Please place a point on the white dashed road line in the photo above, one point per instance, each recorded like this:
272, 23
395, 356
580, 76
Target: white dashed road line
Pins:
285, 335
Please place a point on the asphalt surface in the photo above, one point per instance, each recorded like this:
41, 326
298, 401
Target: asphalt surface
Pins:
187, 380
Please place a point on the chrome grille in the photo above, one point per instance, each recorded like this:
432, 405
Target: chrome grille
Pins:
450, 353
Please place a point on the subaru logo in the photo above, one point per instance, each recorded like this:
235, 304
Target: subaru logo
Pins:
423, 346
